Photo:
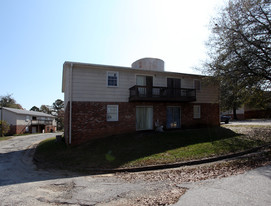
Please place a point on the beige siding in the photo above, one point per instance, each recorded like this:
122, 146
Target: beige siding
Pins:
89, 84
208, 94
9, 117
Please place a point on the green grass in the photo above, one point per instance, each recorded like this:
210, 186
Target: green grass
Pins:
142, 149
4, 138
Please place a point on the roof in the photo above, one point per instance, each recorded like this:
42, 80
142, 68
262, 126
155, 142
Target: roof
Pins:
26, 112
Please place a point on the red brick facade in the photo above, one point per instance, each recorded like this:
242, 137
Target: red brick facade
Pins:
21, 129
89, 118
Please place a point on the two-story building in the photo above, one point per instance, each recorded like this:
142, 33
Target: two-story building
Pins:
102, 100
23, 121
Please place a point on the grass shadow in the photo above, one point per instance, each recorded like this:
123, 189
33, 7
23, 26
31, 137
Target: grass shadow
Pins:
142, 148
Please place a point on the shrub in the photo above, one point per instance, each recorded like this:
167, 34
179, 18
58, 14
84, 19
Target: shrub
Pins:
5, 126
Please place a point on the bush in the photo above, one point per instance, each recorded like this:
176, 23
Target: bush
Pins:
5, 127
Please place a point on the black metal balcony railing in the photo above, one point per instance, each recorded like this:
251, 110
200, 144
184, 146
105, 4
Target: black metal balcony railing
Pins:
144, 93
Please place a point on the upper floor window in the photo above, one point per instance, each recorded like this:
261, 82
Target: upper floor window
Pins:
112, 79
197, 84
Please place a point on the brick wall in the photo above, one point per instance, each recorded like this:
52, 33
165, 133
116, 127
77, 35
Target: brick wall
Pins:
257, 114
89, 118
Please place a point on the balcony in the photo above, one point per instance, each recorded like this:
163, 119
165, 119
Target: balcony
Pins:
161, 94
41, 122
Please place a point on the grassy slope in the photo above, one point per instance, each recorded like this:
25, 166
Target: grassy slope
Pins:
140, 149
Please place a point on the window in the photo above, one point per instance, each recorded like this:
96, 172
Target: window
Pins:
173, 117
196, 111
197, 84
112, 79
112, 113
144, 118
27, 118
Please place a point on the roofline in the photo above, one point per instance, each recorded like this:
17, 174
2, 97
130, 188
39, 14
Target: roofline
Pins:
26, 112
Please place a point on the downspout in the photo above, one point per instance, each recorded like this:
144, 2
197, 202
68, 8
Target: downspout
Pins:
70, 123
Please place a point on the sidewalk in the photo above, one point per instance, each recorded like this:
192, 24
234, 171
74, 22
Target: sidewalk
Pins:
251, 188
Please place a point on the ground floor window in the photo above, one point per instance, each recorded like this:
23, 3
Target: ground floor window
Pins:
173, 117
144, 118
112, 113
197, 112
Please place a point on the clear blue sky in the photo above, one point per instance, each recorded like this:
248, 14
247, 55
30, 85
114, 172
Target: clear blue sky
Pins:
38, 36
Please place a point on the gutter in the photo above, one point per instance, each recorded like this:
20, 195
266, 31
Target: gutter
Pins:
70, 118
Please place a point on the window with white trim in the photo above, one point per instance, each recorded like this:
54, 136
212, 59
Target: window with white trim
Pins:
112, 113
112, 79
196, 112
197, 84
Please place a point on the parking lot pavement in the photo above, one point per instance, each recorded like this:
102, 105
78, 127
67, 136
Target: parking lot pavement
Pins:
251, 188
266, 122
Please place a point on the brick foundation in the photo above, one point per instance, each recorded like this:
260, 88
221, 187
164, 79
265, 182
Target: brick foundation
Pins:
21, 129
89, 118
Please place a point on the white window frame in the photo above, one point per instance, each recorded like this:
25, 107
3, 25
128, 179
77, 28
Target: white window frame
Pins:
197, 80
112, 114
196, 112
107, 78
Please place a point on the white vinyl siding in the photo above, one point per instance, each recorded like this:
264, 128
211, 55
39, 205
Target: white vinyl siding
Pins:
112, 113
89, 84
196, 112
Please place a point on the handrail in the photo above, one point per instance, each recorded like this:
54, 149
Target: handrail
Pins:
138, 93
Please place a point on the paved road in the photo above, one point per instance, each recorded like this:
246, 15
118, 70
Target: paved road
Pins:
21, 183
264, 122
251, 188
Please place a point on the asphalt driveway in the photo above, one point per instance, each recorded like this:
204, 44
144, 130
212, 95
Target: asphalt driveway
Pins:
251, 188
21, 183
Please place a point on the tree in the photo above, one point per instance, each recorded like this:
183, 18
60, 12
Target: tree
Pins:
240, 49
8, 101
34, 108
5, 126
58, 107
45, 109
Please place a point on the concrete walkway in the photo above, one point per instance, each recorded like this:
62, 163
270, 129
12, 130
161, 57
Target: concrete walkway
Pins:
251, 188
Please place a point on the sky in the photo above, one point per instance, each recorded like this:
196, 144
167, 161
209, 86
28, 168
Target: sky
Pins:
38, 36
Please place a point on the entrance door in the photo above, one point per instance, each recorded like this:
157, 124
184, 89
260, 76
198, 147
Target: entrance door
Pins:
173, 117
146, 83
174, 86
144, 118
34, 130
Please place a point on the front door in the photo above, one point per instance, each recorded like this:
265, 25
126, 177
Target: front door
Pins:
144, 118
173, 117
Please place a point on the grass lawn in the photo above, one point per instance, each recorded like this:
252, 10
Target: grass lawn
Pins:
144, 148
4, 138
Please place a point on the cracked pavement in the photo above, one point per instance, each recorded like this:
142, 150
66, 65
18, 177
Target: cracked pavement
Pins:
21, 183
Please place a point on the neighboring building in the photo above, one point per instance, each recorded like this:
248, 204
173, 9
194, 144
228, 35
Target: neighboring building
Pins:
108, 100
23, 121
246, 112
